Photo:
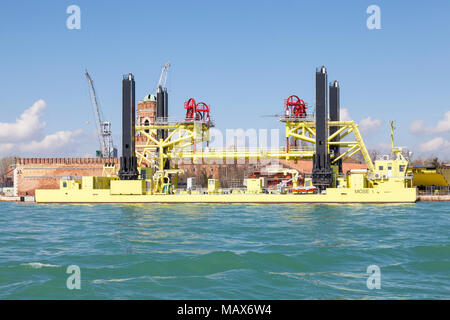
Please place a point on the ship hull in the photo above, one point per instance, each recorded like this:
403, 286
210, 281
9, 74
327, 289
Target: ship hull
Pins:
333, 195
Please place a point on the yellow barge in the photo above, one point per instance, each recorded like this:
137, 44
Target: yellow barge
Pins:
332, 196
148, 172
389, 183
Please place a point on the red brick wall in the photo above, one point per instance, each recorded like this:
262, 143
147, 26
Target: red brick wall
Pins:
146, 110
45, 173
305, 166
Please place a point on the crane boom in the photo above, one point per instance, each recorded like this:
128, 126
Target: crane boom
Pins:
163, 77
107, 149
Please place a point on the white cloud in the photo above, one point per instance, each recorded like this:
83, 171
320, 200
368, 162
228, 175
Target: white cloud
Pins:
369, 124
6, 147
434, 144
384, 146
441, 127
344, 115
27, 126
444, 124
51, 142
26, 135
365, 125
416, 126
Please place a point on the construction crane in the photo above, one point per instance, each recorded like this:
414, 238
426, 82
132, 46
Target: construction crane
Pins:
163, 77
107, 149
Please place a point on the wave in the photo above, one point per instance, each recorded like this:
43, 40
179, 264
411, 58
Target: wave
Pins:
39, 265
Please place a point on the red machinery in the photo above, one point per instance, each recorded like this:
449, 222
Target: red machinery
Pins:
295, 107
190, 106
202, 112
196, 111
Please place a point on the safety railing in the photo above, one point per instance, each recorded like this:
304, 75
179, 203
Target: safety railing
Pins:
435, 191
307, 117
251, 150
377, 176
172, 121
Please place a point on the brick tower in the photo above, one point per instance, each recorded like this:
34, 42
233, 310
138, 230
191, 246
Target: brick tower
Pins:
145, 115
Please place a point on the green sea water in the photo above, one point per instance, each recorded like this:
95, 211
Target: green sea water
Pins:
194, 251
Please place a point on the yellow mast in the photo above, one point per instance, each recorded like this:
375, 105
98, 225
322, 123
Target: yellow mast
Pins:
392, 134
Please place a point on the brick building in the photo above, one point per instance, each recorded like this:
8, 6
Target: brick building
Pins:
45, 173
145, 115
305, 166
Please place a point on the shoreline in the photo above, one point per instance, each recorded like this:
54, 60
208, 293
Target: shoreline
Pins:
424, 198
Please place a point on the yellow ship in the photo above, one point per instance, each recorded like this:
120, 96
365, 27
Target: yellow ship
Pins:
358, 188
148, 172
424, 177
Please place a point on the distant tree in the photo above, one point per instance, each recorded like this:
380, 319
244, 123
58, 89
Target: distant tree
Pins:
5, 163
358, 157
417, 162
373, 153
435, 162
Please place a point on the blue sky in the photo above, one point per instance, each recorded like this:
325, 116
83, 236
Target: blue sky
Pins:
241, 57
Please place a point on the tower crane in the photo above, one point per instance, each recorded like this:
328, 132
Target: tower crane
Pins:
107, 149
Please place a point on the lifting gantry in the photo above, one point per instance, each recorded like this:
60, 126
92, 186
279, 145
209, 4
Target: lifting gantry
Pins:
195, 132
184, 138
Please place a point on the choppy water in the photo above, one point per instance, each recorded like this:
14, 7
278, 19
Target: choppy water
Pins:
225, 251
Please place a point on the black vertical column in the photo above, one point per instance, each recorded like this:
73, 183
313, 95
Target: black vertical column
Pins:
166, 116
334, 92
159, 111
128, 162
322, 176
166, 104
162, 112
